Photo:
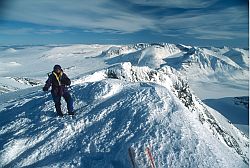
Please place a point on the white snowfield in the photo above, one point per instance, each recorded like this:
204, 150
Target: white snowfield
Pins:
125, 96
216, 68
117, 108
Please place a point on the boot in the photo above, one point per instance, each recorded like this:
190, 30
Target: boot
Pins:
71, 113
58, 109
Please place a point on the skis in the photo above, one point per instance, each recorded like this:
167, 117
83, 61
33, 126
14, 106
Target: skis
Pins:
131, 153
151, 159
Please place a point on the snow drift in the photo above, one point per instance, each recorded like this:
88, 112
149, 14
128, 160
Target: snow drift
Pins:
121, 107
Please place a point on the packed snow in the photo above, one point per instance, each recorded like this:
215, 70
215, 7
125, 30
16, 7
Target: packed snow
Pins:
130, 106
126, 97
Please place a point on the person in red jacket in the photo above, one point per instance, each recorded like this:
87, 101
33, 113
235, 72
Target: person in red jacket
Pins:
59, 82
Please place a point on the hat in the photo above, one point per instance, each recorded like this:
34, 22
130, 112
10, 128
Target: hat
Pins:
57, 67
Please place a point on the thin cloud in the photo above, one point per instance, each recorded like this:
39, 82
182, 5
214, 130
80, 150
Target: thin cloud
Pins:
225, 24
195, 18
27, 31
14, 31
206, 33
175, 3
88, 15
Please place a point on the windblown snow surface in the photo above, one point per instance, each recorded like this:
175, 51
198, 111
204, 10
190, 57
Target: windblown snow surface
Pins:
116, 108
126, 106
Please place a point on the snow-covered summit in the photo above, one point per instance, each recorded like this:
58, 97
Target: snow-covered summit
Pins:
197, 63
171, 79
118, 108
239, 56
127, 49
151, 55
210, 63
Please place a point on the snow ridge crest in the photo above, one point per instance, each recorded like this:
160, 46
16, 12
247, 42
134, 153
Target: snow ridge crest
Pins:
170, 78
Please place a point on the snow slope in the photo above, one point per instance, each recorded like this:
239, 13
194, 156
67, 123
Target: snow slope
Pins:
117, 108
213, 73
207, 64
219, 68
224, 72
151, 55
34, 62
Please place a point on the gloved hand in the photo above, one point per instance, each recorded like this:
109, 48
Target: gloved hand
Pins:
45, 89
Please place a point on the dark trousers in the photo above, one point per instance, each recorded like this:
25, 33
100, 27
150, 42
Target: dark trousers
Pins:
57, 100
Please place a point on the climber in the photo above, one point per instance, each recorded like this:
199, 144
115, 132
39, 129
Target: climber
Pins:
59, 82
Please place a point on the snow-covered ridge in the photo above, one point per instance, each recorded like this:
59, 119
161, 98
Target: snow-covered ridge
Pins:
239, 56
151, 55
10, 84
26, 81
126, 49
223, 71
220, 71
197, 63
119, 108
211, 63
171, 79
6, 88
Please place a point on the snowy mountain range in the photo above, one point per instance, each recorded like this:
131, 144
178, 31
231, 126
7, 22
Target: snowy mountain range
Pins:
142, 96
196, 63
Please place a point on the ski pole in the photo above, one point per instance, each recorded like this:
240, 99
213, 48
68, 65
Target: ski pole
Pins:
131, 153
151, 159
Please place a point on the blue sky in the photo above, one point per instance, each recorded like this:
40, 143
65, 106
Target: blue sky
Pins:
191, 22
